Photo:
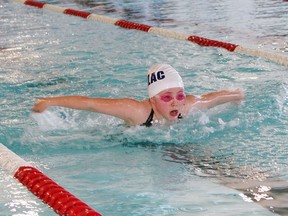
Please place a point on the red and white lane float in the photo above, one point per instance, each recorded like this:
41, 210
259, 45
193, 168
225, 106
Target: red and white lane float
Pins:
60, 200
275, 57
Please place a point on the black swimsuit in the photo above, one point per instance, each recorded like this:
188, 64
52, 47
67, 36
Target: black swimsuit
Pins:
149, 120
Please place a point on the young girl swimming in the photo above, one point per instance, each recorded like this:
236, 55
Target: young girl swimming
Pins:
167, 100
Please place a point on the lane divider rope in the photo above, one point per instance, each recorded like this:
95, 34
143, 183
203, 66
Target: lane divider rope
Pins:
275, 57
59, 199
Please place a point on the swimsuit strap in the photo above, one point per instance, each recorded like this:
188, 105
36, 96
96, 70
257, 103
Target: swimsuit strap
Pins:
149, 120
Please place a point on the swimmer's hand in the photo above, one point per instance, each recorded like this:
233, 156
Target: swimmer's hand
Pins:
239, 97
40, 105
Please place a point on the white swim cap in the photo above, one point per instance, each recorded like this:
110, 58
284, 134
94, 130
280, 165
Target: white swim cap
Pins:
162, 77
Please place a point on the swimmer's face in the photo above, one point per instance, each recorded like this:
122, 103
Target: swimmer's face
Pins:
170, 103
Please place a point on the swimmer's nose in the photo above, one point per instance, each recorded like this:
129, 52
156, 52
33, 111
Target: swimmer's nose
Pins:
174, 102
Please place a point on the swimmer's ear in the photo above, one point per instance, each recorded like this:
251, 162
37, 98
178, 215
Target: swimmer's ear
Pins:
152, 100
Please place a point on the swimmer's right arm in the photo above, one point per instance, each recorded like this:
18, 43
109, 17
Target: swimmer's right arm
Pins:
74, 102
124, 108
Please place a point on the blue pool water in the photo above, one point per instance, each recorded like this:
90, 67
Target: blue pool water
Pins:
216, 162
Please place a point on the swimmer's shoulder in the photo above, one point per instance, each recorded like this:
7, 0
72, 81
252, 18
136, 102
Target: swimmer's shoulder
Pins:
139, 110
139, 104
192, 101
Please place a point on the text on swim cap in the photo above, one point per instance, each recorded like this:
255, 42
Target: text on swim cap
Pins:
154, 77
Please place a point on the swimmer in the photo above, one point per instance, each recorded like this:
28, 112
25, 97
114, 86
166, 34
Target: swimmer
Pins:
167, 100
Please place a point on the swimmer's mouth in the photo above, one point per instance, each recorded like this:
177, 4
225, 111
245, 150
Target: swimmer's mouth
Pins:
174, 113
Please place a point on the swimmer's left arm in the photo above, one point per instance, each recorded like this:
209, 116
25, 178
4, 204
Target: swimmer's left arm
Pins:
216, 98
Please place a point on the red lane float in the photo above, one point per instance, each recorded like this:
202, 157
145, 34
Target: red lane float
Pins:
132, 25
207, 42
34, 3
275, 57
76, 13
59, 199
